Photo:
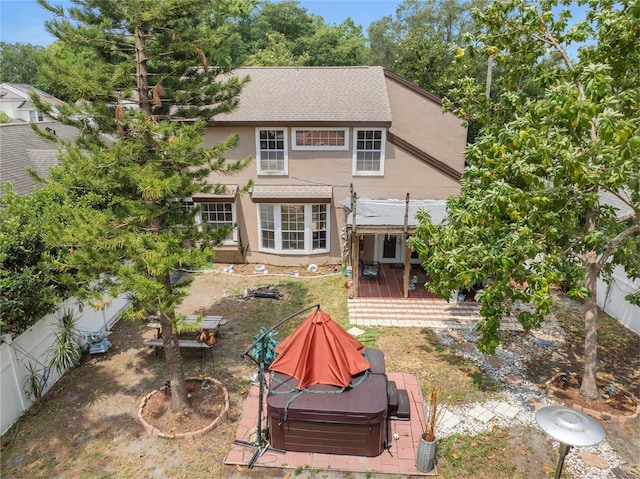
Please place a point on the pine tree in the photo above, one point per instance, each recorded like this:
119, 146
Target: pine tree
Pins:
121, 185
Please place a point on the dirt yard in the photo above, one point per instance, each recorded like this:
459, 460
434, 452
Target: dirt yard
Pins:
86, 427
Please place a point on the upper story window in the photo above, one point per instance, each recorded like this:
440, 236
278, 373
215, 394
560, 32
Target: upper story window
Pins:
320, 139
293, 228
35, 116
368, 152
271, 152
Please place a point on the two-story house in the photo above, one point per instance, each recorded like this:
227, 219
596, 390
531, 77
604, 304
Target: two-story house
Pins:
321, 136
16, 103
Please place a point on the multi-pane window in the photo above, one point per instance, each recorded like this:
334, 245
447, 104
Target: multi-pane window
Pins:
272, 151
35, 116
320, 139
267, 226
217, 214
292, 221
319, 226
293, 228
369, 147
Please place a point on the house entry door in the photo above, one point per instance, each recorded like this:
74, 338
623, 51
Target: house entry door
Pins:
389, 248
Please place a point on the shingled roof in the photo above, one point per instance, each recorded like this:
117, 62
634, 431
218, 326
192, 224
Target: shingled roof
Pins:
311, 96
22, 148
22, 91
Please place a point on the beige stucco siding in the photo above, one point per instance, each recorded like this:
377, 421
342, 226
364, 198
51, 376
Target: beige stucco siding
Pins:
422, 123
403, 174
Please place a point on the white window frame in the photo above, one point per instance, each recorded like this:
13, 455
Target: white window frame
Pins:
232, 239
35, 116
383, 144
276, 208
285, 170
295, 146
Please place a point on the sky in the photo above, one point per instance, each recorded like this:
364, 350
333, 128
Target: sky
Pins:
22, 21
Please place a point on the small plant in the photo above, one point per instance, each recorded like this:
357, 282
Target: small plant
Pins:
66, 351
35, 382
434, 413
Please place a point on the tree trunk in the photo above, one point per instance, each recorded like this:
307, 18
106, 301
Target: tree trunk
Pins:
589, 388
142, 76
179, 400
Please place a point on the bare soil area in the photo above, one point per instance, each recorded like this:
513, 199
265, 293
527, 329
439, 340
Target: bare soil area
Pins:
206, 405
87, 426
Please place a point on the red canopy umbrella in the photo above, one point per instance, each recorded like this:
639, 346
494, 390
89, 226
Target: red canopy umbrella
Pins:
320, 351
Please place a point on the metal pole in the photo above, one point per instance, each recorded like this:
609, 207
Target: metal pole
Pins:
564, 450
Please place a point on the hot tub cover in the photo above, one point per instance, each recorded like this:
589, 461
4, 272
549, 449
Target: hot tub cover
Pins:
320, 351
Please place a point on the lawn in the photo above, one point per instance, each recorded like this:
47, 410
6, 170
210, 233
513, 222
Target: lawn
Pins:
87, 427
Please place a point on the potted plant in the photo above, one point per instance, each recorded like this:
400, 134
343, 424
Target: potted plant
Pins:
426, 459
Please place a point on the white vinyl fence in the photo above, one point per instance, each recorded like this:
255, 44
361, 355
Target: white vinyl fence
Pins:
611, 298
31, 349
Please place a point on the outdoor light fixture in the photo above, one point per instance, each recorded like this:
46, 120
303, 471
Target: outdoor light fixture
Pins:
570, 427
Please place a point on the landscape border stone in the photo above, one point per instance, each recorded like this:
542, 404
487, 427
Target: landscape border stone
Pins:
597, 414
154, 431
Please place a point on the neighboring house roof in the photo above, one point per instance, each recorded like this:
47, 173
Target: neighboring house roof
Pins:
22, 148
22, 90
311, 96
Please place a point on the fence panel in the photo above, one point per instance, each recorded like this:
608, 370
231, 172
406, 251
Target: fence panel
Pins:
611, 298
31, 348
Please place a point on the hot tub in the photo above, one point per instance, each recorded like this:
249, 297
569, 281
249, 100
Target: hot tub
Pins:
352, 422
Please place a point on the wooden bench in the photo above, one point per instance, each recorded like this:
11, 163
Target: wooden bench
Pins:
157, 343
183, 343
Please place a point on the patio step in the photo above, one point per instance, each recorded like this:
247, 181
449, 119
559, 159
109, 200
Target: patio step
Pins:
431, 313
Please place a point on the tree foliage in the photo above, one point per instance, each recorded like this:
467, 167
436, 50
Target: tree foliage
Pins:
420, 43
31, 282
120, 213
18, 63
535, 210
284, 33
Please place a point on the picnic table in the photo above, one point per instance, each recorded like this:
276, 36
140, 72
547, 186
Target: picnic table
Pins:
192, 322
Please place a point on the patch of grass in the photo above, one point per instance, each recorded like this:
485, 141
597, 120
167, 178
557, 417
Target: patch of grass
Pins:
482, 456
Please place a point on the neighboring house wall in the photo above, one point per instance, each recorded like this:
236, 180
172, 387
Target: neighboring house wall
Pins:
16, 103
416, 123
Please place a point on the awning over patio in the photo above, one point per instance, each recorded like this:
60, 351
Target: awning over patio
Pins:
292, 193
388, 216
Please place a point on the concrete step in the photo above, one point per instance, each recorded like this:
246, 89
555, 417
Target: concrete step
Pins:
434, 313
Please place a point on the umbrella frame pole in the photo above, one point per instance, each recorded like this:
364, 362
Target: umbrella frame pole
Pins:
260, 361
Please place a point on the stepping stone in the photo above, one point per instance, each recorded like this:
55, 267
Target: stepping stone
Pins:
514, 381
467, 348
591, 459
535, 404
481, 414
495, 362
449, 420
355, 332
507, 410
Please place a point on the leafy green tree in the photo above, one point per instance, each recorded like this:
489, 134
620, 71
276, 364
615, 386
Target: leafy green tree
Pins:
276, 54
30, 281
18, 63
420, 43
532, 215
283, 33
336, 45
122, 217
